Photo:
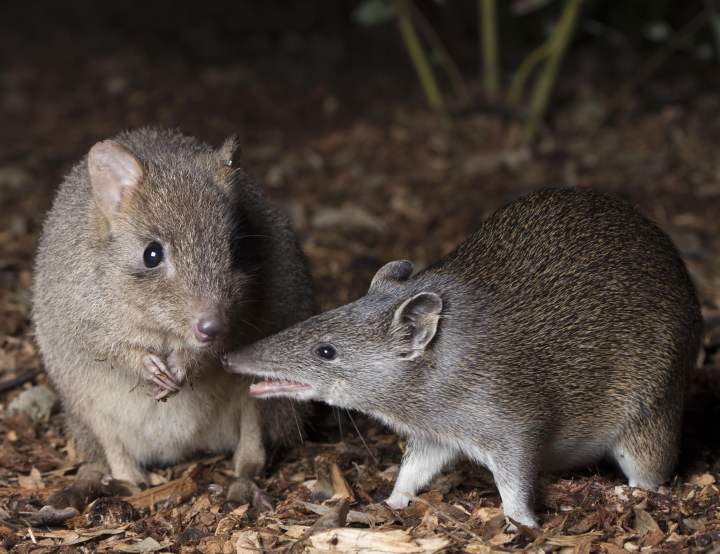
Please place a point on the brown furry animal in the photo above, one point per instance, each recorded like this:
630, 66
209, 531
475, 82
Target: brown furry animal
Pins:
156, 254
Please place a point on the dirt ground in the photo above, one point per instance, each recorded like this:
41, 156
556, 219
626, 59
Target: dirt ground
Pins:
367, 175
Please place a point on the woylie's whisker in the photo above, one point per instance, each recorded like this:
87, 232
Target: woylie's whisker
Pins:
362, 439
240, 237
251, 325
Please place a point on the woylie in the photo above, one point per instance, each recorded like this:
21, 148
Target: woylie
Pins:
157, 254
559, 333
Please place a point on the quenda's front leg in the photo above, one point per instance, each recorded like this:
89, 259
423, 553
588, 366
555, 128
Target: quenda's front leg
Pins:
515, 472
422, 461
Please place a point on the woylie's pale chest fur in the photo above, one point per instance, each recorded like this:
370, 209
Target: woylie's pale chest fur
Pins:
156, 255
559, 333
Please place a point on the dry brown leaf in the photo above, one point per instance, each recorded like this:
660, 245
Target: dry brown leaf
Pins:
339, 484
177, 491
702, 480
70, 538
247, 542
366, 541
296, 532
644, 523
148, 544
573, 540
353, 516
485, 514
611, 548
335, 517
501, 538
233, 519
425, 502
33, 481
494, 526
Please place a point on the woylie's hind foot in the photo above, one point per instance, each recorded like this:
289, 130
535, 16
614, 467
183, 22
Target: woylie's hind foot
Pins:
92, 482
244, 490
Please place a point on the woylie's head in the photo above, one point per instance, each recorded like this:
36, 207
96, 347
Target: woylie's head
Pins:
348, 356
165, 227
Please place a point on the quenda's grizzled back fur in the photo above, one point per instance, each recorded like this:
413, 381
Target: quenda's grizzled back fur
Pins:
560, 332
157, 254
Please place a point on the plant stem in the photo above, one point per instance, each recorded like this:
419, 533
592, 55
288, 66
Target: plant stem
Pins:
443, 56
714, 14
522, 73
417, 54
546, 80
488, 24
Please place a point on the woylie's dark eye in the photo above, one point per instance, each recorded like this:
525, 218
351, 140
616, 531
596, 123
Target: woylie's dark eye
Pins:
153, 254
326, 351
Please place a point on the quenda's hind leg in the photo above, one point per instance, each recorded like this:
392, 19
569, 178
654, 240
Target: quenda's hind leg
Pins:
647, 450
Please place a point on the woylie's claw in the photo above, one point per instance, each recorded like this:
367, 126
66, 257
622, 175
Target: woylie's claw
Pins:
157, 372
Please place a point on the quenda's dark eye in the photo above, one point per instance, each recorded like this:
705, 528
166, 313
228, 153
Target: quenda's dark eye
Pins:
326, 351
153, 254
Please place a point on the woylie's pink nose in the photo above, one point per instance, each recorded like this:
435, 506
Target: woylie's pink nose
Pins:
208, 327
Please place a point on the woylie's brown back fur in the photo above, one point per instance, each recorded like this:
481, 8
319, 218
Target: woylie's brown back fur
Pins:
559, 333
112, 328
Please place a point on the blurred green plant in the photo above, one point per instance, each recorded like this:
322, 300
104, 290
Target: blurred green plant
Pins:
489, 47
532, 83
407, 16
549, 55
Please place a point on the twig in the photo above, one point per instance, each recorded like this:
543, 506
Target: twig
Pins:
489, 46
546, 80
417, 55
19, 380
362, 439
443, 56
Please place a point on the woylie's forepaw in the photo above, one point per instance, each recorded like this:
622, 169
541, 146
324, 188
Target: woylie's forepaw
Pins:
168, 380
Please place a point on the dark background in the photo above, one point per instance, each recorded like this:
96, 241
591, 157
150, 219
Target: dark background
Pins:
332, 120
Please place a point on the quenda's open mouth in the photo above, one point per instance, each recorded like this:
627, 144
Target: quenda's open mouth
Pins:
269, 387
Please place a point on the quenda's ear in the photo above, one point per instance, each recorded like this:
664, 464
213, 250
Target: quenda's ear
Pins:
392, 273
417, 319
229, 151
115, 174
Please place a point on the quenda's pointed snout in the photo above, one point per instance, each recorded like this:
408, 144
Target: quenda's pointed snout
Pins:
239, 363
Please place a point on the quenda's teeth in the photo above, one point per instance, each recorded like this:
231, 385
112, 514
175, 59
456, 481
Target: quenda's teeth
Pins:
270, 386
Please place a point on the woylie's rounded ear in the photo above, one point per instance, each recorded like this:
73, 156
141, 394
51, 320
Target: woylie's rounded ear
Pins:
115, 173
392, 273
417, 318
229, 151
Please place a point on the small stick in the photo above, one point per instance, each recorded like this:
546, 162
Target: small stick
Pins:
19, 380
